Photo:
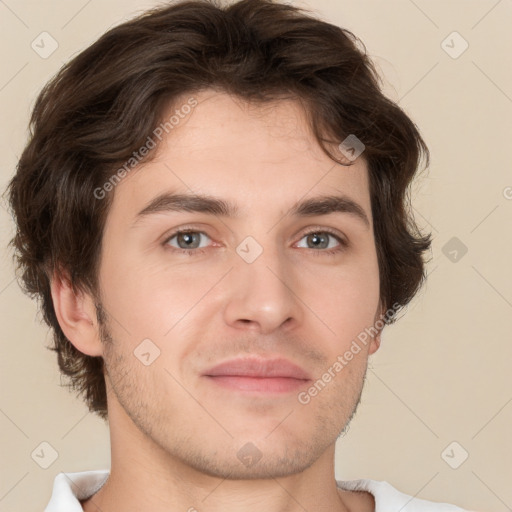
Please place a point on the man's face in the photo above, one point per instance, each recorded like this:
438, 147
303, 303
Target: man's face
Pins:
263, 284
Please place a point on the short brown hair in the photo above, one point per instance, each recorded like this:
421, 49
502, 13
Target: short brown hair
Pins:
104, 103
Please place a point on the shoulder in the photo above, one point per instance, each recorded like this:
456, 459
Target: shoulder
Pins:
69, 488
386, 496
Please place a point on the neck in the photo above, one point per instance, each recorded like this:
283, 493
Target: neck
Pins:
144, 478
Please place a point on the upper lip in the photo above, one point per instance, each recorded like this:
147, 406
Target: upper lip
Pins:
258, 367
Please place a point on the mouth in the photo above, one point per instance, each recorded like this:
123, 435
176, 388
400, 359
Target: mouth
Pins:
258, 375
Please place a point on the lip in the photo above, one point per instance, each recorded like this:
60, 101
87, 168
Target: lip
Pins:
258, 367
257, 374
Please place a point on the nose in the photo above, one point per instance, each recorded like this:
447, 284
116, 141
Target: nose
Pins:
263, 295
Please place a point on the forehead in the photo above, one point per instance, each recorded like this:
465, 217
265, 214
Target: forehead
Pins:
257, 156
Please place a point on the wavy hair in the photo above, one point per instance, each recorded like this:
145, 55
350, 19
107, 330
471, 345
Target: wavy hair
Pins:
87, 121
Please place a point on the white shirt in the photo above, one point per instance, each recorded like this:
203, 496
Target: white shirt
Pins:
65, 497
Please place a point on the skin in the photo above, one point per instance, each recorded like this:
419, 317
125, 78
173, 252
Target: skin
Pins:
175, 435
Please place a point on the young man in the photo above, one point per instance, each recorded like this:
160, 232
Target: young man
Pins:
212, 209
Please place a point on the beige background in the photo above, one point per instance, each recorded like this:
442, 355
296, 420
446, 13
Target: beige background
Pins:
443, 372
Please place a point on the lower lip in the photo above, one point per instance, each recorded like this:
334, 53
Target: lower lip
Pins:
258, 384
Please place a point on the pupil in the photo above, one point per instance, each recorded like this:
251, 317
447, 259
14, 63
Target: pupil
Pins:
188, 238
319, 240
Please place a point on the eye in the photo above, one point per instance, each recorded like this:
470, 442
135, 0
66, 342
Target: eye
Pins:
191, 242
322, 239
186, 240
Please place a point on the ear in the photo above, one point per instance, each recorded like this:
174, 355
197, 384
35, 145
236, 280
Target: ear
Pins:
376, 340
76, 313
375, 343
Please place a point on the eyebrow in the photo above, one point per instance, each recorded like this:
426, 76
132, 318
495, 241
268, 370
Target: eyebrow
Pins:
322, 205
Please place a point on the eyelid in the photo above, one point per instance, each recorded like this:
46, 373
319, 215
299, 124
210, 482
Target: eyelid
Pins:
342, 240
167, 237
184, 229
334, 232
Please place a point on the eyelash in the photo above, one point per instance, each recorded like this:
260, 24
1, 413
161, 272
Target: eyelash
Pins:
343, 244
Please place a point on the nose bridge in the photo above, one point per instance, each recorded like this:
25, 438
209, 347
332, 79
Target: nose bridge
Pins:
261, 286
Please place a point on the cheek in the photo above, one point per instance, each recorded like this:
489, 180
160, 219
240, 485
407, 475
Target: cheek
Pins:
149, 300
344, 299
342, 318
